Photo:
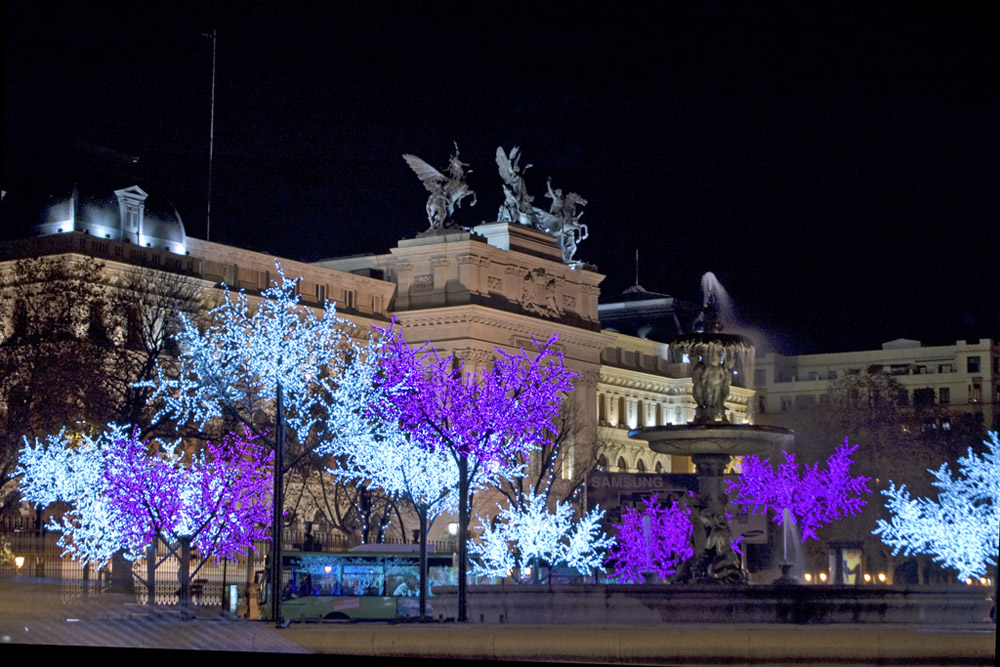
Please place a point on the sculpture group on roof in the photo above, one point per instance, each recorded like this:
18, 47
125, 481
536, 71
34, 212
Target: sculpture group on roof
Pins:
562, 220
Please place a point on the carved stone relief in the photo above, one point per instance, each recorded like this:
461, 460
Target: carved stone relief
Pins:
538, 293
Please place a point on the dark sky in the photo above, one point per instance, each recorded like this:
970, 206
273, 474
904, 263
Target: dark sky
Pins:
834, 164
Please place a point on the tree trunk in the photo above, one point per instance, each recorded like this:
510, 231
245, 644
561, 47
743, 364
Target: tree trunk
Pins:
276, 520
423, 561
463, 535
184, 576
151, 573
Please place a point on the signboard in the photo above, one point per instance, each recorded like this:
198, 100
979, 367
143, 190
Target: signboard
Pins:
614, 491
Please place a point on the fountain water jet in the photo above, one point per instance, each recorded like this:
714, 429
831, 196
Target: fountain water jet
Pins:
792, 558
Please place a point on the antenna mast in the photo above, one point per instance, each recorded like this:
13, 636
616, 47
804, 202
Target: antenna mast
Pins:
211, 144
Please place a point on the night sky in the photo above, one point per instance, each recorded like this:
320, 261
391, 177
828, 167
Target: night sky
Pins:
834, 164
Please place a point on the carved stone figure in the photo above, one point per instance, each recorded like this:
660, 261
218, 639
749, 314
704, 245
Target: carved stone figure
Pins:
562, 218
517, 202
713, 560
447, 192
538, 294
711, 380
568, 229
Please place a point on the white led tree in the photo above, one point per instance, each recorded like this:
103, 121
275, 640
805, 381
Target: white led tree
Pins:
297, 381
530, 535
961, 528
425, 479
55, 470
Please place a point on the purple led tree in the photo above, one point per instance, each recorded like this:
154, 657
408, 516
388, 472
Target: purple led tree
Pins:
218, 500
478, 418
125, 494
652, 538
814, 496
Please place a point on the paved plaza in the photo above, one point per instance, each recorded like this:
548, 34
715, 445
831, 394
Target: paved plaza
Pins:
30, 614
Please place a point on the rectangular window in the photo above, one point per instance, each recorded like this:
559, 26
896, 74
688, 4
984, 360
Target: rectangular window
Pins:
976, 391
760, 377
786, 403
972, 365
944, 395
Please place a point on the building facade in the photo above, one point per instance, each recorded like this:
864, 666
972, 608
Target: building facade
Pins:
499, 285
962, 377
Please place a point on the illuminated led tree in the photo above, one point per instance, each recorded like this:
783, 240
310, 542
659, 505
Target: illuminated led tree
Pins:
651, 538
296, 381
479, 418
530, 535
961, 528
813, 495
426, 479
55, 470
125, 494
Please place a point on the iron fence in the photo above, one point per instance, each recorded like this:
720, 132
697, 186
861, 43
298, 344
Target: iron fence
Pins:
212, 582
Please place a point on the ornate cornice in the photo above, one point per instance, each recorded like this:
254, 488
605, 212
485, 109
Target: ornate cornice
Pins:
476, 260
645, 382
516, 325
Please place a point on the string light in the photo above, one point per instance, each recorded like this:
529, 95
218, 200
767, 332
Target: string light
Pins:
961, 528
531, 534
814, 496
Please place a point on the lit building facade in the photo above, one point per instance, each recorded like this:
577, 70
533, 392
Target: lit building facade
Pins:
464, 292
962, 377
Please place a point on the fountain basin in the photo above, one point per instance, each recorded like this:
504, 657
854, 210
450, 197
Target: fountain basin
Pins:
714, 438
659, 604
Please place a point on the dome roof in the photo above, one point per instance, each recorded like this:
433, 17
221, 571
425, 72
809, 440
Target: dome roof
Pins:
105, 205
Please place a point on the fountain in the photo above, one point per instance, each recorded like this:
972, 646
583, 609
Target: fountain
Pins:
710, 439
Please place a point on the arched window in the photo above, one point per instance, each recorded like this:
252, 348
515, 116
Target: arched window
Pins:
602, 462
621, 465
640, 466
659, 466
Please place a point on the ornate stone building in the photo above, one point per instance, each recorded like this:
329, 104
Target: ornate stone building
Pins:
467, 292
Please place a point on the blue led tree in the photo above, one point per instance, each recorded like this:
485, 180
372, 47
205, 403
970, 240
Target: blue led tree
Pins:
425, 479
961, 528
298, 381
529, 535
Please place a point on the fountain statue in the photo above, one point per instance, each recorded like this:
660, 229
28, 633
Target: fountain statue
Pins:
711, 439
